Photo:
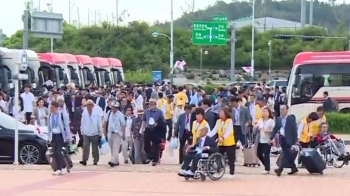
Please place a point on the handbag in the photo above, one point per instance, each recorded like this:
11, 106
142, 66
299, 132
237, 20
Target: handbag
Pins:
104, 147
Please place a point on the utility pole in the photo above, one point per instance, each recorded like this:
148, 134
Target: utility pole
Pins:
303, 13
71, 5
1, 37
78, 17
117, 12
311, 12
233, 51
95, 17
88, 16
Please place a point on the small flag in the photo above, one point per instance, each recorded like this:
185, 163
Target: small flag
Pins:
247, 69
180, 65
81, 64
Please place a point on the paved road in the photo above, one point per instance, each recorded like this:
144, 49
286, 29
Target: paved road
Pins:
145, 180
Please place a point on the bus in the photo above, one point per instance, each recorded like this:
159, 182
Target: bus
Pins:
116, 70
9, 59
74, 69
54, 67
87, 69
102, 69
312, 74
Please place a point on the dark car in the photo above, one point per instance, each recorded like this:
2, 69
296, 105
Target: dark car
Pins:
32, 142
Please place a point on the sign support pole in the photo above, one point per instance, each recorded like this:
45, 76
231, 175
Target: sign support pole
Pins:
233, 51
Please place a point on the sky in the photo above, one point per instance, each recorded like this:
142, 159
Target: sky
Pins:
86, 11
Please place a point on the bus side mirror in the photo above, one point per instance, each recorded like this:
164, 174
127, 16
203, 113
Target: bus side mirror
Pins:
60, 74
107, 78
89, 76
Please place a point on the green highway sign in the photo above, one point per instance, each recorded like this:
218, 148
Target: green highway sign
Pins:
220, 18
209, 33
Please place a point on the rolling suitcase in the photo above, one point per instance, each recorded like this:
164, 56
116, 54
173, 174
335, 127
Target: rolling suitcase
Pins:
66, 158
312, 161
249, 152
280, 157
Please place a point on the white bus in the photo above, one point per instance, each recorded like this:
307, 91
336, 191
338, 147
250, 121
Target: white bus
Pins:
312, 74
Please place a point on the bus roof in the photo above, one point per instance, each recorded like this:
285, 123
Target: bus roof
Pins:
84, 59
100, 62
322, 57
70, 58
52, 58
30, 53
115, 62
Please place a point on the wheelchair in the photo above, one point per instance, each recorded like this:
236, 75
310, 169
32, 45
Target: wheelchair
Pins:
212, 166
331, 155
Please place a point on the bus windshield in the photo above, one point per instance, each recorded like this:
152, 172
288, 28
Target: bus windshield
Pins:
310, 78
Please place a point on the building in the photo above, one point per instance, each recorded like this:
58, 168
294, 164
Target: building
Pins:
268, 23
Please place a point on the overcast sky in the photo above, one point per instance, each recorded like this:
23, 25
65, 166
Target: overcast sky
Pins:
146, 10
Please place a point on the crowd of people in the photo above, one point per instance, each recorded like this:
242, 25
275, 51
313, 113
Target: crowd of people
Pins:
137, 121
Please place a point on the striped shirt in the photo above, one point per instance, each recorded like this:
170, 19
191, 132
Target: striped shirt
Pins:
156, 114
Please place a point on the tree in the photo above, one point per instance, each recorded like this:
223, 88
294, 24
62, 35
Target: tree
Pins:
135, 46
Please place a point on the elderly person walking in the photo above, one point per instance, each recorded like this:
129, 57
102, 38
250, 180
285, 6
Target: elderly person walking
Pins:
154, 129
91, 129
114, 127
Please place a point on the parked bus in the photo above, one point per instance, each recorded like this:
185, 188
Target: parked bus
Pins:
87, 69
102, 68
9, 59
74, 69
54, 67
116, 70
312, 74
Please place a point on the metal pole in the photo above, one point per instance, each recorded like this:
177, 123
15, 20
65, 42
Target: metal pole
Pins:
349, 34
51, 44
200, 62
69, 12
311, 12
270, 58
233, 51
117, 11
25, 29
16, 102
253, 41
171, 39
1, 37
303, 13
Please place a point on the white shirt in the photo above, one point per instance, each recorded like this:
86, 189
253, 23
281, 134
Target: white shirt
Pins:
128, 127
91, 125
265, 126
3, 105
48, 83
237, 115
139, 102
28, 99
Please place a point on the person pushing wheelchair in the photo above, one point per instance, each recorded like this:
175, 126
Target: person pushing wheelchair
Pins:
203, 144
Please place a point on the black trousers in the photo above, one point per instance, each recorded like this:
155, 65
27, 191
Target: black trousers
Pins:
169, 124
28, 116
152, 141
288, 158
185, 138
192, 157
263, 153
231, 156
239, 136
57, 144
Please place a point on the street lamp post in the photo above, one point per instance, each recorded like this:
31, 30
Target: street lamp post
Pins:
171, 53
253, 40
201, 60
270, 57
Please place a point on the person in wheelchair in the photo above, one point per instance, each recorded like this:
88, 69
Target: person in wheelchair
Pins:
204, 144
331, 143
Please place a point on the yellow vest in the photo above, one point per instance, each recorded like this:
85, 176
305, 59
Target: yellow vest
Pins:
181, 96
244, 101
230, 140
258, 113
195, 130
324, 119
161, 102
168, 111
304, 136
315, 127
